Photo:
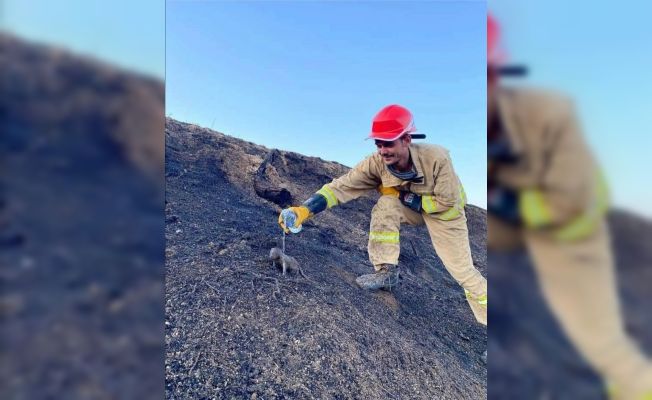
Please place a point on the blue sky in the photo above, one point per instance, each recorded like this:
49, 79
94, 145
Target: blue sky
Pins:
309, 76
124, 32
600, 56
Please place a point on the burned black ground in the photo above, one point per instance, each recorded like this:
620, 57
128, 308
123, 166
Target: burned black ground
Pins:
236, 328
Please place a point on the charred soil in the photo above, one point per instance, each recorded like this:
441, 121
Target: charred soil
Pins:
237, 328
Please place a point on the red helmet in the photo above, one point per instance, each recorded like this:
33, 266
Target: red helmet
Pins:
495, 54
391, 123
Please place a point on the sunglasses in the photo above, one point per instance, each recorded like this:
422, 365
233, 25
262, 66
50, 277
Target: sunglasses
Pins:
382, 144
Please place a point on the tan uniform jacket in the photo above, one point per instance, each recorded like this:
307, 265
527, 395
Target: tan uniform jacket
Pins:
440, 186
556, 177
577, 277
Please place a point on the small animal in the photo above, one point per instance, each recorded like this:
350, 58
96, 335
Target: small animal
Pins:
287, 262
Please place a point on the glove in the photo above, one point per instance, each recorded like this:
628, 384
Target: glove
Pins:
503, 203
500, 151
301, 214
388, 191
411, 200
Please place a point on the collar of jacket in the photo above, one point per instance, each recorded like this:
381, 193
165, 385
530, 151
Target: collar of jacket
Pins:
390, 180
509, 118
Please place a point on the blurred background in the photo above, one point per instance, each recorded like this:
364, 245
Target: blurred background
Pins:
82, 193
597, 55
81, 199
126, 34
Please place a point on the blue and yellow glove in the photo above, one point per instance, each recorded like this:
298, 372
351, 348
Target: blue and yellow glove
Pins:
301, 214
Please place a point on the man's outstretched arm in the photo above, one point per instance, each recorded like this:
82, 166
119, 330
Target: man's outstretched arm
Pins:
362, 178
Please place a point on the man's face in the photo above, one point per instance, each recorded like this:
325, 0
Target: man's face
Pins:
393, 152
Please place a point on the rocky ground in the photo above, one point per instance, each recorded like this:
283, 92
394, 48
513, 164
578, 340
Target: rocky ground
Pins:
237, 328
81, 227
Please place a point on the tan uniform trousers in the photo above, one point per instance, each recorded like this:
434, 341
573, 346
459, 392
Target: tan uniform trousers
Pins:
579, 284
449, 238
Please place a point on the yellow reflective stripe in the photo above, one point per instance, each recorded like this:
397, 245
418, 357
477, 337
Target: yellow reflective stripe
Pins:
331, 200
533, 208
452, 213
428, 204
462, 196
613, 393
580, 227
384, 237
611, 390
482, 300
456, 210
586, 223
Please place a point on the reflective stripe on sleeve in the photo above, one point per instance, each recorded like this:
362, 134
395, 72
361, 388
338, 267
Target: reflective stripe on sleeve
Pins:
331, 200
428, 204
456, 210
533, 209
586, 223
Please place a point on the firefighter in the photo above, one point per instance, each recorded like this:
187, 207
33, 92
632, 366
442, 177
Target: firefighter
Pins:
546, 192
418, 186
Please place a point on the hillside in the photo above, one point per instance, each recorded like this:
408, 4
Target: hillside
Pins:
236, 328
81, 227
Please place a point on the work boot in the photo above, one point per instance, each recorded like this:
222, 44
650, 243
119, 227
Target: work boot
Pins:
385, 278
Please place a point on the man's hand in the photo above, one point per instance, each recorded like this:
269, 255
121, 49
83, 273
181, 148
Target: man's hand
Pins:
503, 203
295, 216
411, 200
